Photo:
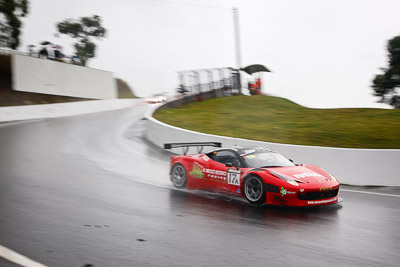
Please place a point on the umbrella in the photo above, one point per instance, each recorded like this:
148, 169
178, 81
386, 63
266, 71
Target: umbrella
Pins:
255, 68
45, 43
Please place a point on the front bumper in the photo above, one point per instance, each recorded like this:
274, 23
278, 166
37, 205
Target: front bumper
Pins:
306, 198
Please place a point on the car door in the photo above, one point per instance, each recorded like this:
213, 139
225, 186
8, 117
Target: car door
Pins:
221, 177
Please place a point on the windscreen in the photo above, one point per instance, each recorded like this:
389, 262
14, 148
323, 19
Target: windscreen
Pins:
266, 159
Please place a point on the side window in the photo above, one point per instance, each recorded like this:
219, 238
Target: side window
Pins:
211, 155
226, 156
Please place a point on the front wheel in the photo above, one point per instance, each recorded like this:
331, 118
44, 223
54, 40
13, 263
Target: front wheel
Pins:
254, 190
178, 176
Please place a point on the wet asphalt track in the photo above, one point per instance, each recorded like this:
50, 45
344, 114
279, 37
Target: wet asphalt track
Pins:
88, 189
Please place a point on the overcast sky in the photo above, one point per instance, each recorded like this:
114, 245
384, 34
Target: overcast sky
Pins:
323, 54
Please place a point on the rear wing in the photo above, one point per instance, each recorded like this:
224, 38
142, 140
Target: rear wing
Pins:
186, 146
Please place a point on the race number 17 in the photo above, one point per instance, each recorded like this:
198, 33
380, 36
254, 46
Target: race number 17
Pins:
233, 177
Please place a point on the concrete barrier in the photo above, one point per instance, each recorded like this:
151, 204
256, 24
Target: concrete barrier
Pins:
36, 75
44, 111
373, 167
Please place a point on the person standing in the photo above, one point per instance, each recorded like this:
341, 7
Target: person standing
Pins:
258, 86
252, 88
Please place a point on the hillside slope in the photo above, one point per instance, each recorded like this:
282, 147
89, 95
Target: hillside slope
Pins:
279, 120
124, 91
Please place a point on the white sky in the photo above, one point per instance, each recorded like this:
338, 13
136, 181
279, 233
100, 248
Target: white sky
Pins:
323, 54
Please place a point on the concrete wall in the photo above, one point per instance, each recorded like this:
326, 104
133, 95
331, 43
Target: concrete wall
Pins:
36, 75
45, 111
351, 166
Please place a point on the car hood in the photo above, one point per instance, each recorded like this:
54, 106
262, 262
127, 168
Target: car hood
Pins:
302, 173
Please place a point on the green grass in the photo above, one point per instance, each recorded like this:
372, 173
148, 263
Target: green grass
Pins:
273, 119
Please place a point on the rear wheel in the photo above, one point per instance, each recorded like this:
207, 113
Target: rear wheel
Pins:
254, 190
178, 176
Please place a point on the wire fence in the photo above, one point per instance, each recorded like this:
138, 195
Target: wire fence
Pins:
194, 82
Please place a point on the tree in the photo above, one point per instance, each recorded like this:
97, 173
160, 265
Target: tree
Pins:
82, 30
386, 85
10, 24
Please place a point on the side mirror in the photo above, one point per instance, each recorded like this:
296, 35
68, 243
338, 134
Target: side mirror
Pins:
228, 164
291, 160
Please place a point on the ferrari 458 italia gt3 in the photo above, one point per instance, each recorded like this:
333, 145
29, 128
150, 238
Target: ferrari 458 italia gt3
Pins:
260, 175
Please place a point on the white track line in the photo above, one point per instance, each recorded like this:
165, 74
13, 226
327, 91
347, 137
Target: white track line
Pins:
371, 193
17, 258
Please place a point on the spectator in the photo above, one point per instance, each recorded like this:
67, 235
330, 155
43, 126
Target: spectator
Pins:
258, 86
252, 88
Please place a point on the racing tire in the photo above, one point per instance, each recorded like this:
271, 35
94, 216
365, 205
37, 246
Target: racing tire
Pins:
254, 190
178, 176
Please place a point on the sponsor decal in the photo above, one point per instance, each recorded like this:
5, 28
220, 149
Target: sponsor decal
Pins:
215, 174
205, 158
238, 191
322, 201
197, 171
325, 189
231, 176
283, 191
234, 177
306, 174
291, 192
301, 189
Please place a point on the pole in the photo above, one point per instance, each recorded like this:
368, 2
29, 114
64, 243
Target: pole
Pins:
237, 37
237, 46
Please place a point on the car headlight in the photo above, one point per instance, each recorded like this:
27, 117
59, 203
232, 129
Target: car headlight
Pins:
290, 181
333, 178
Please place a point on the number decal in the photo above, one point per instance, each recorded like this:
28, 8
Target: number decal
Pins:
233, 177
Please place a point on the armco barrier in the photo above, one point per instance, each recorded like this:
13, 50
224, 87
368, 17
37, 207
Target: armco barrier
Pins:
374, 167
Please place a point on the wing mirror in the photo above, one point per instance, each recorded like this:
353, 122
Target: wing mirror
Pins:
228, 164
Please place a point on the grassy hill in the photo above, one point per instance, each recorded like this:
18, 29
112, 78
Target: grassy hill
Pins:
279, 120
124, 91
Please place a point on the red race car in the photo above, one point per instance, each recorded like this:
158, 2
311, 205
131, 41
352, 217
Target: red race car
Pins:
261, 176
